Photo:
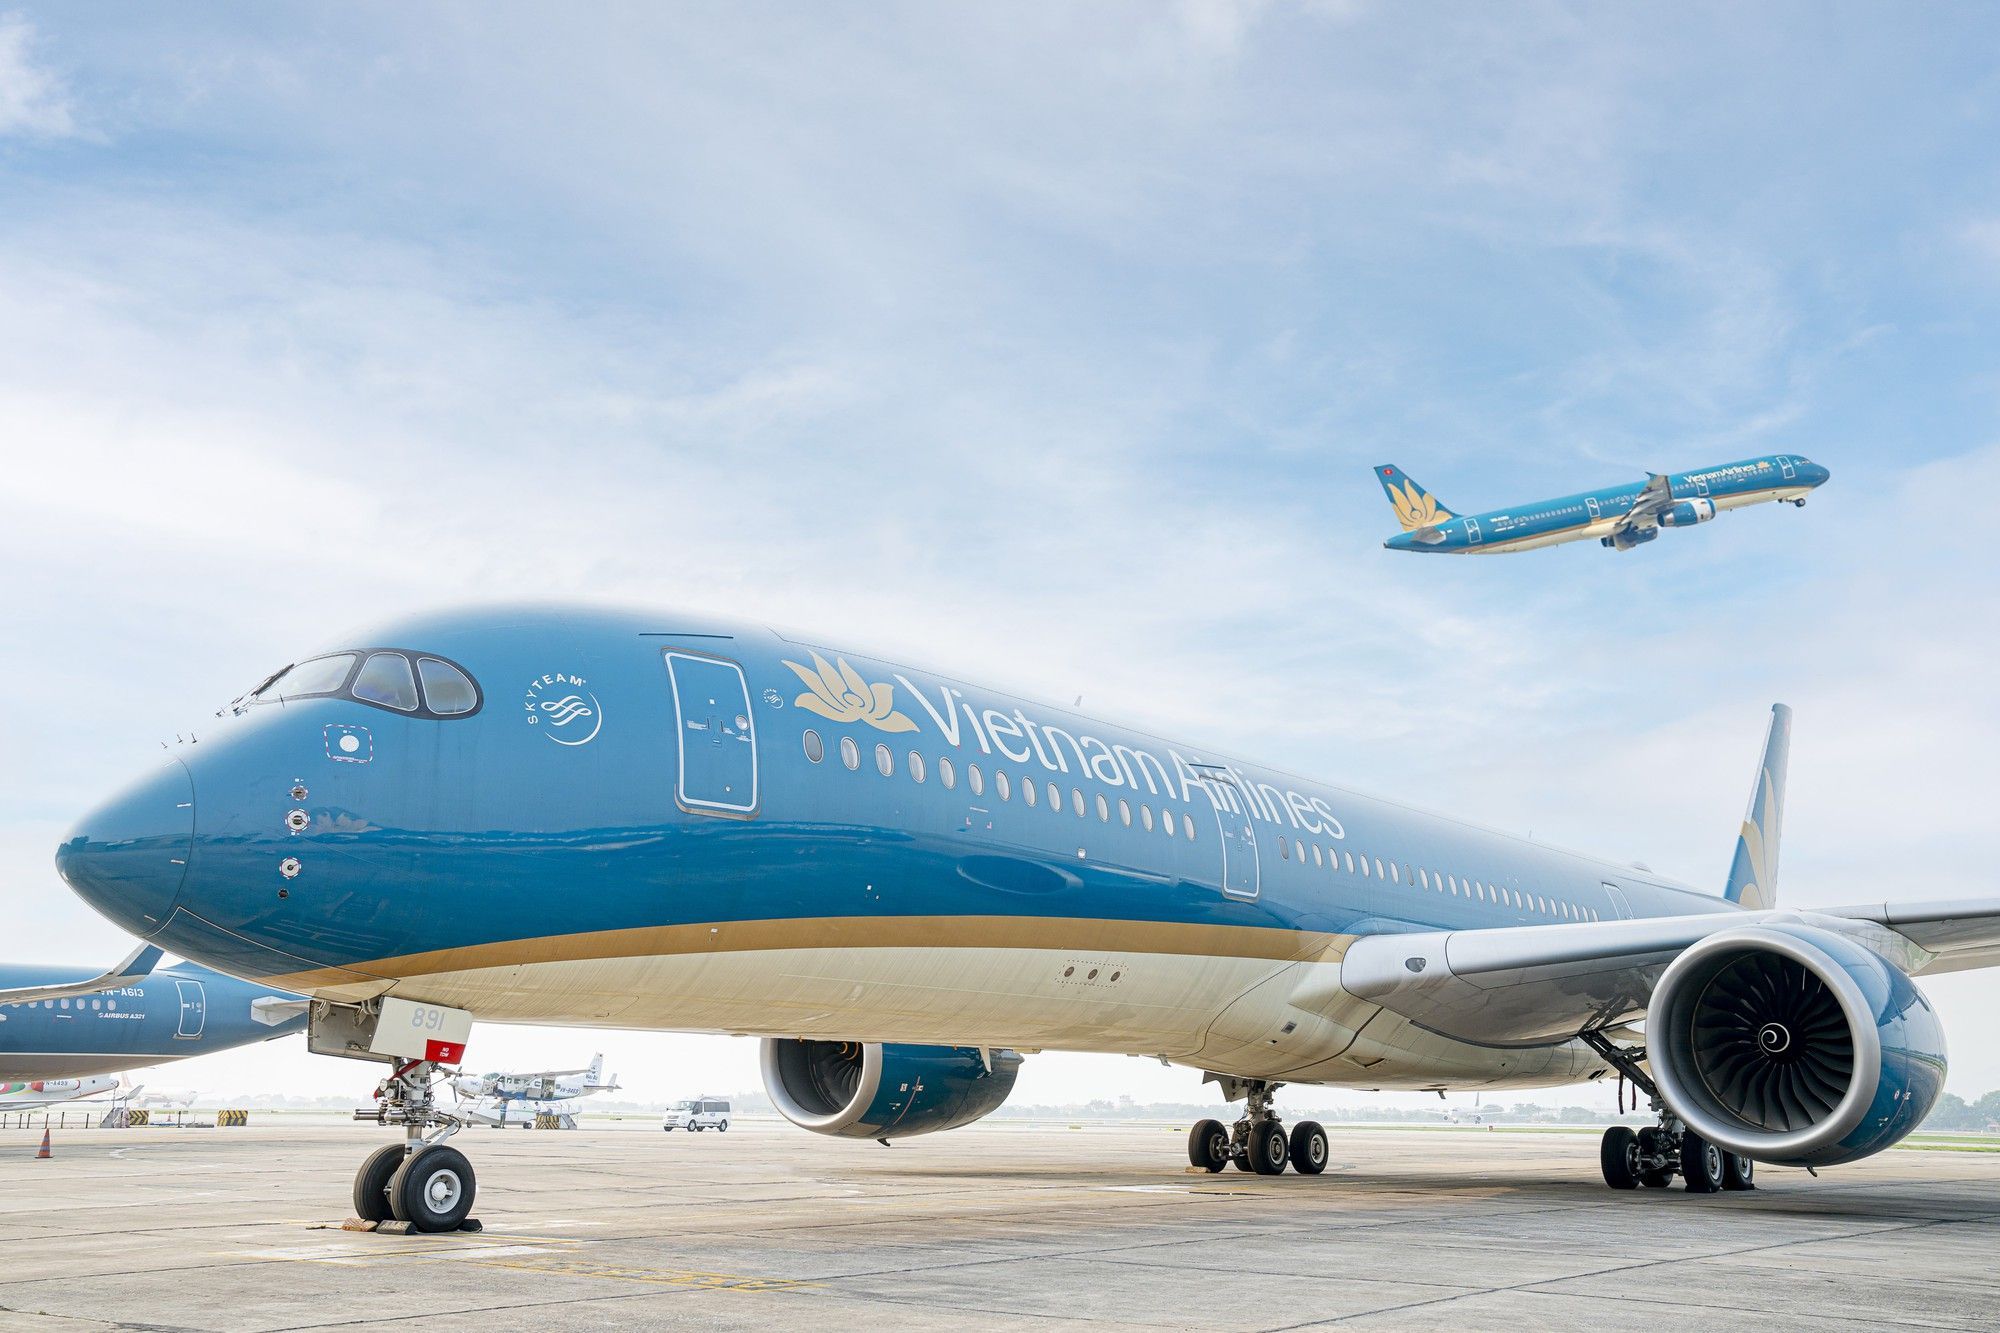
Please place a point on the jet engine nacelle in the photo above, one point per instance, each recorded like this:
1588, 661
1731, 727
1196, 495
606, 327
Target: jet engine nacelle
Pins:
1631, 537
1688, 513
869, 1090
1794, 1045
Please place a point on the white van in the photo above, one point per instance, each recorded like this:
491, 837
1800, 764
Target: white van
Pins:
697, 1115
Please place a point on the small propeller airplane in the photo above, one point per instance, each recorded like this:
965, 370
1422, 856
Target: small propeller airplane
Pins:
494, 1096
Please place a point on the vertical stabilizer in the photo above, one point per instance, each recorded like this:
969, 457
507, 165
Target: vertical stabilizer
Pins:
1753, 876
1415, 506
596, 1078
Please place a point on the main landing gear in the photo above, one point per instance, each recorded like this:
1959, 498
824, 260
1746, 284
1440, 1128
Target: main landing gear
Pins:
1653, 1156
421, 1181
1258, 1142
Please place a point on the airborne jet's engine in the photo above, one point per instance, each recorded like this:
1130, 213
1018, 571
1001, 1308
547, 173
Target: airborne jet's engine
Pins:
1793, 1045
1631, 537
1688, 513
869, 1090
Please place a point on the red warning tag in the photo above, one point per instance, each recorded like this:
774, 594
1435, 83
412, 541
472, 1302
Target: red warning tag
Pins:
444, 1052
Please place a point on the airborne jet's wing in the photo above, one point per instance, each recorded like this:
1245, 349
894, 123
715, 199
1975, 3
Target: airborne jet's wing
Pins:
1655, 500
1540, 985
134, 969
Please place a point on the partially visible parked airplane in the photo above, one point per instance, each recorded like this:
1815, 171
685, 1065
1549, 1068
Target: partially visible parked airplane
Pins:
34, 1094
1620, 517
60, 1024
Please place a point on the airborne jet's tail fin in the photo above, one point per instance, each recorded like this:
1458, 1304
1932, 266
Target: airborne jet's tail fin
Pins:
1753, 876
1415, 506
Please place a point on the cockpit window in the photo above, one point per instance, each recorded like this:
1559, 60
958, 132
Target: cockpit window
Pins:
386, 679
447, 690
322, 675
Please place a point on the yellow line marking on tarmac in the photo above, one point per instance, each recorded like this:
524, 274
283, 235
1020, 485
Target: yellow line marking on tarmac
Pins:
661, 1277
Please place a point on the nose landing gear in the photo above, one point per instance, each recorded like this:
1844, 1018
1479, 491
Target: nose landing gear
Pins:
1258, 1142
421, 1182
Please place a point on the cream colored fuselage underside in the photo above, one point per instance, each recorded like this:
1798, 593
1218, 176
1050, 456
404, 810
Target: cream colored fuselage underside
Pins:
1247, 1017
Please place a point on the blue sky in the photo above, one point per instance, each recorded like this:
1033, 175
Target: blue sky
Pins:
1050, 345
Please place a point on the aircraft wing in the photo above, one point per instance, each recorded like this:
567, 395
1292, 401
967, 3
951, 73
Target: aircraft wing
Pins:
134, 969
1655, 500
1539, 985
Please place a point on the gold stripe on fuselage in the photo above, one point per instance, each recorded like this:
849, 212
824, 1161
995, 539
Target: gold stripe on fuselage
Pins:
1078, 934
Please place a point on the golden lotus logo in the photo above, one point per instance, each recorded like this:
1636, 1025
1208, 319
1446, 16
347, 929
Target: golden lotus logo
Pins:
1414, 508
839, 693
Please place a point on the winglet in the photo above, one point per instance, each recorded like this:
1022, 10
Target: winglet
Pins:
136, 967
1415, 507
1753, 875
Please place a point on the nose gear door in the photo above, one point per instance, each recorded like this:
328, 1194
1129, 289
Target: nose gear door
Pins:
718, 746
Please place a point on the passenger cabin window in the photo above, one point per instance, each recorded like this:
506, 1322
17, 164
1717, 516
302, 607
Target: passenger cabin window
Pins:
1124, 812
386, 679
815, 749
1000, 783
1055, 800
945, 773
447, 690
1029, 791
885, 763
1187, 827
975, 779
1146, 817
850, 753
916, 767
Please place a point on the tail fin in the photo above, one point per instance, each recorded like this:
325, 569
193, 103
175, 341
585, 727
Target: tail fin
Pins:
596, 1069
1415, 506
1753, 876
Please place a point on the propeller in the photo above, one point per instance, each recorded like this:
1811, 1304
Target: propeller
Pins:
1771, 1042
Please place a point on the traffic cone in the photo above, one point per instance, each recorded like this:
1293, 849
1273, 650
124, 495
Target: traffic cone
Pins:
42, 1154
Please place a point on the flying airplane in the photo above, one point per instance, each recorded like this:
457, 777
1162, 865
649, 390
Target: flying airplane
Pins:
532, 1092
1620, 517
63, 1023
904, 882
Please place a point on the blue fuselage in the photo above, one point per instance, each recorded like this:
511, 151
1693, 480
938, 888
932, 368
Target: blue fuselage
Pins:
1698, 496
172, 1014
667, 792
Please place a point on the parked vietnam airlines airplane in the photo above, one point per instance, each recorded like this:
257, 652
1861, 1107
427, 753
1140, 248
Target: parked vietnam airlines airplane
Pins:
902, 882
63, 1023
1620, 517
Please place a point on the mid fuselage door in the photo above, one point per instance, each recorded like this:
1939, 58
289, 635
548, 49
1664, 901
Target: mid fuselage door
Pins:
718, 764
1786, 469
194, 1009
1241, 872
1619, 904
1472, 534
1590, 502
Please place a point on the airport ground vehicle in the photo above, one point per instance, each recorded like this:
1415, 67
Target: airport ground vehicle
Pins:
697, 1115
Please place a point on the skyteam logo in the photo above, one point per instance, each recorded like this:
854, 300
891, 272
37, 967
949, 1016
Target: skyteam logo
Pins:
564, 708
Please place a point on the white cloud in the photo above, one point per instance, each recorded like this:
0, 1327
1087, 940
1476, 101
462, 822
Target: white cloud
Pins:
33, 101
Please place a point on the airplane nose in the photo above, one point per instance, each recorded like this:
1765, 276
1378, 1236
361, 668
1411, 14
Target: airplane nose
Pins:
128, 857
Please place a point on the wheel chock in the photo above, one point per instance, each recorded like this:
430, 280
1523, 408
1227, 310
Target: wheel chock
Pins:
471, 1224
392, 1228
358, 1224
